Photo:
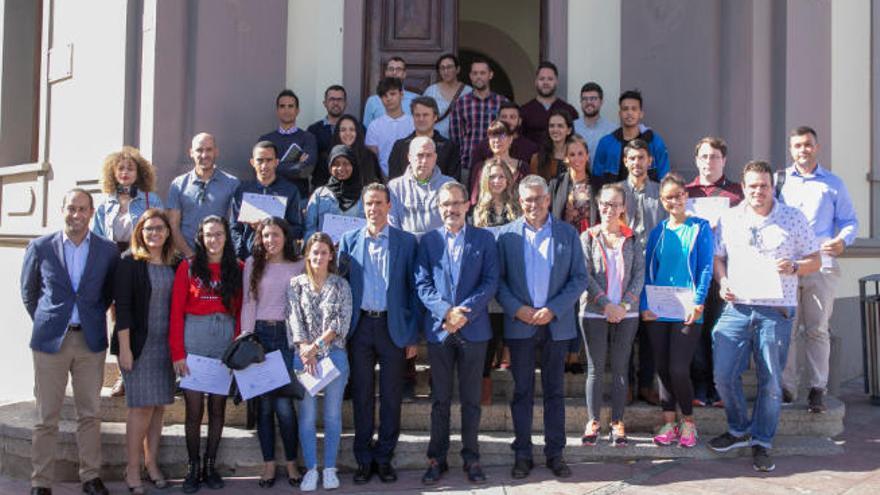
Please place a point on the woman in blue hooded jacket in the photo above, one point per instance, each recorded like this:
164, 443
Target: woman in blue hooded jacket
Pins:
679, 254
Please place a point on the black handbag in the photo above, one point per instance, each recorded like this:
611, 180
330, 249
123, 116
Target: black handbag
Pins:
245, 350
293, 390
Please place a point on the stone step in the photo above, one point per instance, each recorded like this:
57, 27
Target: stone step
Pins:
240, 454
639, 417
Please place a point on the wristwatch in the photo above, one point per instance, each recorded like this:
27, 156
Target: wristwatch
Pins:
794, 267
322, 346
626, 306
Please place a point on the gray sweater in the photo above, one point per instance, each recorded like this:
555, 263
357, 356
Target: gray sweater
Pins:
595, 298
414, 207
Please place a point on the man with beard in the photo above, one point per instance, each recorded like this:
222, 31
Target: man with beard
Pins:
472, 113
297, 149
593, 127
536, 112
334, 102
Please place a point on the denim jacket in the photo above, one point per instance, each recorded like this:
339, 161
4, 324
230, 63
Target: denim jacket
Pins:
105, 214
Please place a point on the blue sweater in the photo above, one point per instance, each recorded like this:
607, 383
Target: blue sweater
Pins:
607, 159
700, 259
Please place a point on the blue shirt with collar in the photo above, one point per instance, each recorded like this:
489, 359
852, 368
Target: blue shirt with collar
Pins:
538, 255
454, 250
376, 270
75, 261
823, 198
196, 199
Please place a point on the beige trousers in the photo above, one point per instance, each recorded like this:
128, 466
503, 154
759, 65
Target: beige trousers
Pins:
86, 369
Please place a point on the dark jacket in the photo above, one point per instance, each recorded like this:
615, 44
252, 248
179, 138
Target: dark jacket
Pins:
559, 187
132, 294
448, 159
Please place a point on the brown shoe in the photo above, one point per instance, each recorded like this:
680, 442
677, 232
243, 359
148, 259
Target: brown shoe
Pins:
118, 389
650, 396
486, 397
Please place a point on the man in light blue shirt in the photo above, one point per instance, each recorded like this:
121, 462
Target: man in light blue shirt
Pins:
538, 254
396, 67
376, 272
592, 127
823, 198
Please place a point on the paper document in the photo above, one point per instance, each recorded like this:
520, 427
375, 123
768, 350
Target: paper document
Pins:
709, 209
259, 378
326, 372
756, 278
255, 207
207, 375
670, 302
336, 225
827, 259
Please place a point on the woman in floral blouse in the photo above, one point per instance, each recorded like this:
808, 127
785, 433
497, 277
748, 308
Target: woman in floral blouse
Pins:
320, 314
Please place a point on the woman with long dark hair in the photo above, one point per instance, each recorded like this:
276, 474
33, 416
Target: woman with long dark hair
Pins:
267, 274
551, 157
205, 311
350, 133
142, 291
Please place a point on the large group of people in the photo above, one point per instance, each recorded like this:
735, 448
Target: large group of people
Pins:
499, 235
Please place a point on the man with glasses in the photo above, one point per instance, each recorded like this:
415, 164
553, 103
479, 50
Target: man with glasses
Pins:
759, 235
204, 190
542, 276
373, 109
592, 127
334, 103
456, 325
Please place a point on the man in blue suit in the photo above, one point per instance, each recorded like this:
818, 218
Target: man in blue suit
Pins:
379, 262
542, 275
66, 287
456, 324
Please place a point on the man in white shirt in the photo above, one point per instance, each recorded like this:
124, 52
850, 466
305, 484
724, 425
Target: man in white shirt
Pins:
384, 131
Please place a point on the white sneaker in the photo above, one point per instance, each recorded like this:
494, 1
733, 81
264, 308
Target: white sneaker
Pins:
331, 481
310, 481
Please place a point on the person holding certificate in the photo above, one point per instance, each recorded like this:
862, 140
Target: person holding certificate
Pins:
608, 308
267, 275
678, 255
142, 291
320, 313
205, 308
341, 195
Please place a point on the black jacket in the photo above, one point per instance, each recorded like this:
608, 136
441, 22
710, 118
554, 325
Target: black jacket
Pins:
448, 159
132, 294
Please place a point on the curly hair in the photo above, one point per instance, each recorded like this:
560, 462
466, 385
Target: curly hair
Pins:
146, 173
260, 256
484, 199
229, 285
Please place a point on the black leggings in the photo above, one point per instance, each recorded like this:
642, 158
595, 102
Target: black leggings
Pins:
216, 416
674, 344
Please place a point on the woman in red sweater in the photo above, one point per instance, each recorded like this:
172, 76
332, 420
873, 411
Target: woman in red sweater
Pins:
205, 308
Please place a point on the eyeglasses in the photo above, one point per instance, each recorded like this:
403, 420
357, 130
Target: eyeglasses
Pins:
590, 98
450, 204
447, 67
610, 205
203, 186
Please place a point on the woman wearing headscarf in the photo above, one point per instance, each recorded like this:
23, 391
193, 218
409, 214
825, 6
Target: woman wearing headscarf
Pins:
341, 195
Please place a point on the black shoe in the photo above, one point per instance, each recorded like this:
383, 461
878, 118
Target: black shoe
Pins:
576, 369
210, 477
726, 441
787, 396
41, 490
816, 401
409, 392
434, 472
559, 467
192, 482
95, 487
475, 473
521, 468
363, 474
386, 472
266, 483
761, 459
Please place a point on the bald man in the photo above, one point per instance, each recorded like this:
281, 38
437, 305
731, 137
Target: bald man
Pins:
204, 190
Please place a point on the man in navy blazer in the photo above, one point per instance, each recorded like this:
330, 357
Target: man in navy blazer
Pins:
379, 263
66, 287
456, 277
542, 275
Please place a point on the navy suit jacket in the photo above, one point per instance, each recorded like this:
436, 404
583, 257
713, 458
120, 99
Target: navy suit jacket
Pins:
568, 279
477, 283
401, 296
48, 294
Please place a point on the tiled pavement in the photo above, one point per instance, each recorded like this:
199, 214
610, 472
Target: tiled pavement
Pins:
856, 471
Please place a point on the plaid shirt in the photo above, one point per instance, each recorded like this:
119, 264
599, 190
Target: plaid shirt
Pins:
469, 120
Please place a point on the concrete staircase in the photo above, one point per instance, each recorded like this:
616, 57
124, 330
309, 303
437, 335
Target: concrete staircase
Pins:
799, 432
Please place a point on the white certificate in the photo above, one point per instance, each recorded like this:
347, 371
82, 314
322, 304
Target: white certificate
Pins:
336, 225
325, 373
756, 276
255, 207
827, 259
207, 375
670, 302
708, 208
260, 378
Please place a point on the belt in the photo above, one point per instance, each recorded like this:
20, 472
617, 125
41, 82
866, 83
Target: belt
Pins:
374, 314
74, 328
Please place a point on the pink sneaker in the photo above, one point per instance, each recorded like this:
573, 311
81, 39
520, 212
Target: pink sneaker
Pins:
688, 434
667, 435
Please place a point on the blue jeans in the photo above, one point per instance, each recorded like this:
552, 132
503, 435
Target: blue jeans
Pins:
762, 332
308, 413
273, 336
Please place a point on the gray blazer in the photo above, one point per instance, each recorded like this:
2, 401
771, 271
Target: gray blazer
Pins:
594, 299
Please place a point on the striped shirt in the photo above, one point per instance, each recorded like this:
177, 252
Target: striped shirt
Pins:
469, 119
